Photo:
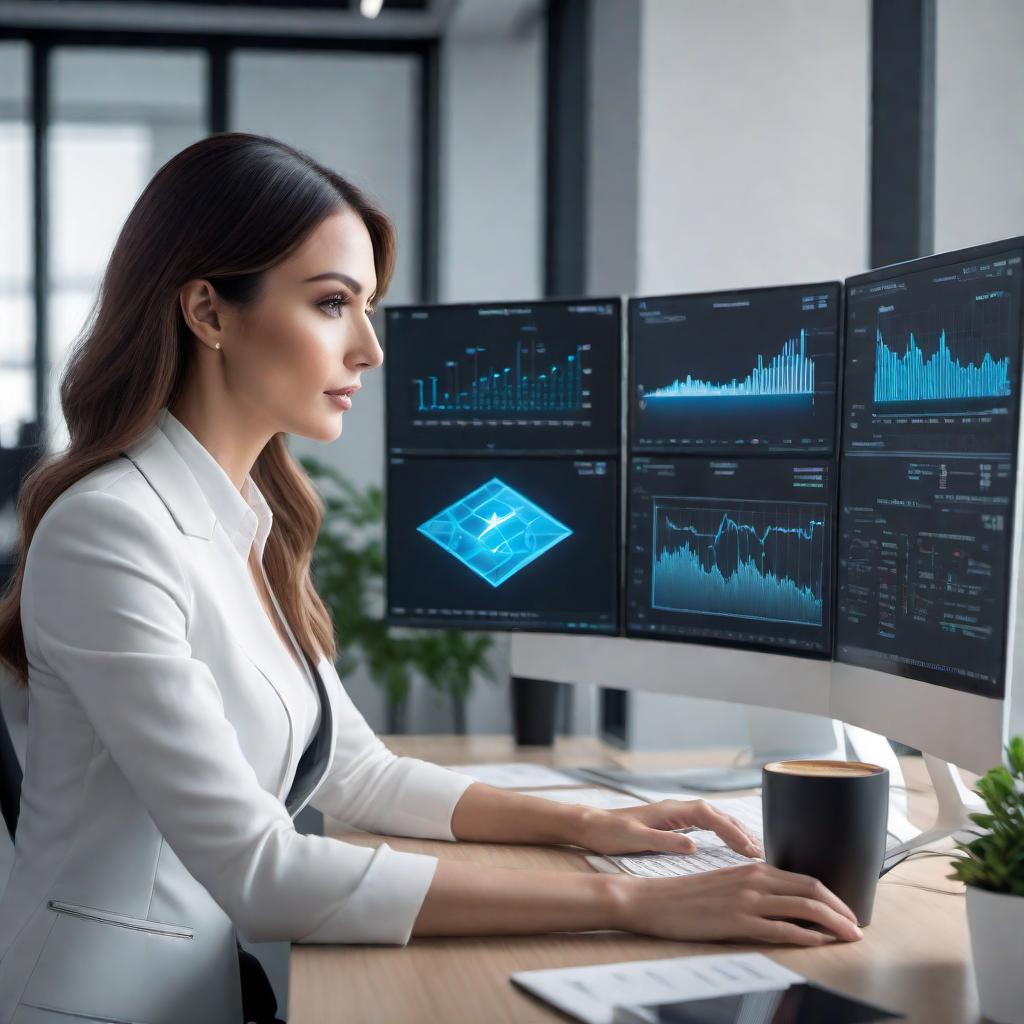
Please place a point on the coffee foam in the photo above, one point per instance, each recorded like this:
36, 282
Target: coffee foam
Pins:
826, 769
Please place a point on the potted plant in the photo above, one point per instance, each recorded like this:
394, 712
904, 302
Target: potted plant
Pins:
992, 867
348, 564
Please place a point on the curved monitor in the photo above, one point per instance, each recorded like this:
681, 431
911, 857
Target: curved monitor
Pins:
929, 532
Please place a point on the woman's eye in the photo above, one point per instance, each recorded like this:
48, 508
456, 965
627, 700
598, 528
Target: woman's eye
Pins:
334, 304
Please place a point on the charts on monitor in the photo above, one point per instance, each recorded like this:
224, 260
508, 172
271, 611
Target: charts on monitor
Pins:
932, 359
737, 550
506, 543
923, 561
735, 372
513, 379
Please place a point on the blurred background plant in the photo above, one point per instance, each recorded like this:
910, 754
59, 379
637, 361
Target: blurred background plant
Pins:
348, 568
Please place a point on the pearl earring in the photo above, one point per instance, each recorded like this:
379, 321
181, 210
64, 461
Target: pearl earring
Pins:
217, 345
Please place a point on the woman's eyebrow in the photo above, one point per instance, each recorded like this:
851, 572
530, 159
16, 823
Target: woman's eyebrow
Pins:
344, 278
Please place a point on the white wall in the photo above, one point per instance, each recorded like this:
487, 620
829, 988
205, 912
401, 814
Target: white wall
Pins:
754, 138
492, 135
979, 122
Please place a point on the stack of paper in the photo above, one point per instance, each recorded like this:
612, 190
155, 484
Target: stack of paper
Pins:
591, 993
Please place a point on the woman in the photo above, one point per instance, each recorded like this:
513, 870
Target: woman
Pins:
183, 700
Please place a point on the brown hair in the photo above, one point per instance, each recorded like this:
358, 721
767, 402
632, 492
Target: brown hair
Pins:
226, 209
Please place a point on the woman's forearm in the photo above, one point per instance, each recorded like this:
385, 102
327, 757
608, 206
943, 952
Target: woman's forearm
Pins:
467, 899
486, 814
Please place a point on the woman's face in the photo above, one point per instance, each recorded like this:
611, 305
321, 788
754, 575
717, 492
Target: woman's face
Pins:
308, 332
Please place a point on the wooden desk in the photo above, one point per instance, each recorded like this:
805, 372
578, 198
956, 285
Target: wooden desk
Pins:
913, 957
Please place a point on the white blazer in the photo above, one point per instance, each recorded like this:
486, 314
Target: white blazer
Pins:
162, 768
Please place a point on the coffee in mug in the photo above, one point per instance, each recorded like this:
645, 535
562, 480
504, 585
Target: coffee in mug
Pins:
828, 819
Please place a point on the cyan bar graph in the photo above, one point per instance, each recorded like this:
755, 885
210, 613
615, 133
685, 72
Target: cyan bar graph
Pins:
912, 378
790, 372
531, 385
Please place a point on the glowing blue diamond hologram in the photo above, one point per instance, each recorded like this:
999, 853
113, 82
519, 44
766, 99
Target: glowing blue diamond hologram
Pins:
495, 531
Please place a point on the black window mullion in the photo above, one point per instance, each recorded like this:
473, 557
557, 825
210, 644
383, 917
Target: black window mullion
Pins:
40, 107
217, 99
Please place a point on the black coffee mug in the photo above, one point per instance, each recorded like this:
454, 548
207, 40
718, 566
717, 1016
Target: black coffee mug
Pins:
828, 819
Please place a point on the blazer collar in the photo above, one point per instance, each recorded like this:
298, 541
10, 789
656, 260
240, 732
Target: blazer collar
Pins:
196, 489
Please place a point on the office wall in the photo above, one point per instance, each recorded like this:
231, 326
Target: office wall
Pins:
754, 142
979, 121
492, 136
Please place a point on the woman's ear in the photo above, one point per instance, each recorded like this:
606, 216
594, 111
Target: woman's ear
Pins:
200, 306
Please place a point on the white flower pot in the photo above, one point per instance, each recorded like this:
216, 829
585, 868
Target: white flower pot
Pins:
996, 923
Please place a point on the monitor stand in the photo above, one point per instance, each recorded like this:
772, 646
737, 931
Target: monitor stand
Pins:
955, 801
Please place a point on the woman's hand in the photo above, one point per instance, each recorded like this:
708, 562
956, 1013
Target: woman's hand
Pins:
753, 902
649, 828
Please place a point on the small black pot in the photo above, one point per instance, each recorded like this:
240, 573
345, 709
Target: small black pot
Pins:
533, 711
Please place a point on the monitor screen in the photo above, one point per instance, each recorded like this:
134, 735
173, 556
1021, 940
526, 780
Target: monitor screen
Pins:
504, 543
930, 421
931, 357
923, 567
735, 372
513, 378
731, 550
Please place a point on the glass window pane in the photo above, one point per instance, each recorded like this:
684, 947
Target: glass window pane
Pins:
117, 116
17, 341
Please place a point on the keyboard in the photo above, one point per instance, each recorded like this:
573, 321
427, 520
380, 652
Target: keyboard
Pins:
711, 853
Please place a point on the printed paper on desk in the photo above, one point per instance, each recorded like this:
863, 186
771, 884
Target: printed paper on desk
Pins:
515, 776
591, 993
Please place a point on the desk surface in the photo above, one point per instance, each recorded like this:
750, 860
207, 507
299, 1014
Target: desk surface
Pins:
913, 957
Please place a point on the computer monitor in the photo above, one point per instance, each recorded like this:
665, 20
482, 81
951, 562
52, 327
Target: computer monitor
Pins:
506, 378
503, 543
929, 531
735, 551
737, 372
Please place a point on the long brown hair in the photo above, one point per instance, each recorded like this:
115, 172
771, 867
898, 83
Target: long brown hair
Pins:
226, 209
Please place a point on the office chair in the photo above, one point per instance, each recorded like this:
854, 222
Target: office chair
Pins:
10, 780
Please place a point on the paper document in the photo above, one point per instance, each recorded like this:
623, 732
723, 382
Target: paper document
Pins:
589, 795
515, 776
590, 994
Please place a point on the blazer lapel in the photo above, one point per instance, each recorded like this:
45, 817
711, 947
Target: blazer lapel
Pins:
158, 460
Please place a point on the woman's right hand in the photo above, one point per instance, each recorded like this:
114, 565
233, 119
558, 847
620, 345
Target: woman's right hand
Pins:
752, 902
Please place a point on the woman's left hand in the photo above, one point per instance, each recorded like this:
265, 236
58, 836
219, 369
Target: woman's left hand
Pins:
650, 828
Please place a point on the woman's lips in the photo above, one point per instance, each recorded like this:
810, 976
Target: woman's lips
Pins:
341, 401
